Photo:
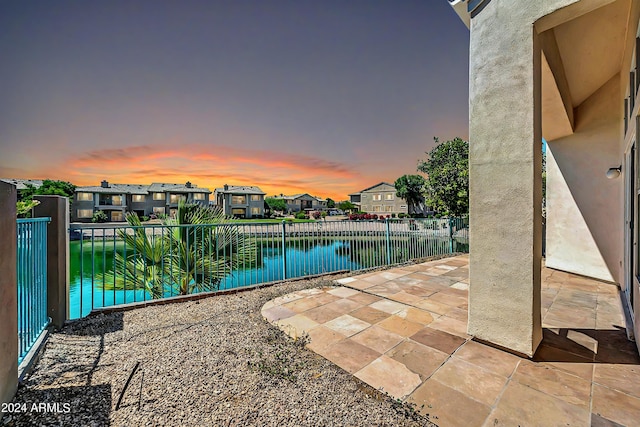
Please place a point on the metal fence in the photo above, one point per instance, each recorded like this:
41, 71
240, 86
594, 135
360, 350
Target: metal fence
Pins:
32, 282
120, 264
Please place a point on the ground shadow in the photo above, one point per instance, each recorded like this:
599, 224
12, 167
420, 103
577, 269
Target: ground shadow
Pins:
73, 406
98, 324
587, 346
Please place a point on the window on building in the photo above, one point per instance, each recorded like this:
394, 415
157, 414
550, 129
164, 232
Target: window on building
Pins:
158, 196
85, 197
175, 198
389, 196
198, 196
117, 216
388, 208
138, 198
173, 212
256, 197
238, 200
377, 208
158, 210
377, 197
116, 200
238, 212
84, 213
256, 211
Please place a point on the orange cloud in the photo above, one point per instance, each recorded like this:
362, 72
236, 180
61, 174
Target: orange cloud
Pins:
214, 165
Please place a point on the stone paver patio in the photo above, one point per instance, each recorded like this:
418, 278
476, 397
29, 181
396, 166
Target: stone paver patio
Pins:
404, 331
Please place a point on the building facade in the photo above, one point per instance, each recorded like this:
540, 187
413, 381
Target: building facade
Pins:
116, 200
303, 202
566, 71
240, 201
379, 199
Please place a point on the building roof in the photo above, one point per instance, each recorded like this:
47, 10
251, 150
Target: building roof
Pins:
115, 188
293, 196
156, 187
240, 189
296, 196
21, 184
159, 187
370, 188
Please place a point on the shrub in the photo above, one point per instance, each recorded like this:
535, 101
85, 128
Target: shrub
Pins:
393, 215
324, 214
145, 218
99, 216
316, 215
301, 215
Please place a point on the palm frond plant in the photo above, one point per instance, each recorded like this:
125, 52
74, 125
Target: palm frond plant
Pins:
199, 247
140, 265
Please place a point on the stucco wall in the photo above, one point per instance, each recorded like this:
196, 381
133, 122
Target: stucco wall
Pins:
585, 218
505, 167
8, 294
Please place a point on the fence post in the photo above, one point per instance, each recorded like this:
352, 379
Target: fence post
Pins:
450, 235
8, 294
56, 207
284, 250
386, 220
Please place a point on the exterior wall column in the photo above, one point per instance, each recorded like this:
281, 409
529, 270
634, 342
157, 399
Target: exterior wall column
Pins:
57, 208
8, 294
505, 161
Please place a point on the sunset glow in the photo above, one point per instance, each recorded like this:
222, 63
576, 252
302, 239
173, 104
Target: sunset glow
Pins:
321, 98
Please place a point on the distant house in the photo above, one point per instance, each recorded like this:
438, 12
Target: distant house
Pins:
240, 201
303, 202
23, 184
115, 200
379, 199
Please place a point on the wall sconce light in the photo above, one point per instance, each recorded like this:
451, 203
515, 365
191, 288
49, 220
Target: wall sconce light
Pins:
613, 173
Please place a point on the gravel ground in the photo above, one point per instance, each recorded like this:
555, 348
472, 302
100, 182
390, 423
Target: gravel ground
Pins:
211, 362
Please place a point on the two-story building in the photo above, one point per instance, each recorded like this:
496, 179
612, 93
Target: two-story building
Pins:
115, 200
303, 202
240, 201
380, 199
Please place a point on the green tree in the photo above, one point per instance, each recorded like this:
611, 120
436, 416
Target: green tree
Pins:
276, 204
331, 203
99, 216
24, 207
56, 188
447, 170
48, 187
199, 248
411, 189
347, 206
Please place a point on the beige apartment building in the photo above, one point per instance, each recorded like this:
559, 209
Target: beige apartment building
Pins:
379, 199
568, 71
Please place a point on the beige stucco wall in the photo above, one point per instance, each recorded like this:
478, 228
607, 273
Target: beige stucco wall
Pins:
505, 167
8, 294
585, 218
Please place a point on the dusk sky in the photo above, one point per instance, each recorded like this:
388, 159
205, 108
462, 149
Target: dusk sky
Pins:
321, 97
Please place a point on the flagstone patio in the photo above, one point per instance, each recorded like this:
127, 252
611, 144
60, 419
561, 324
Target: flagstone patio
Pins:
403, 331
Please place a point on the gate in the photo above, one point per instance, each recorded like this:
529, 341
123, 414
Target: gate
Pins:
32, 282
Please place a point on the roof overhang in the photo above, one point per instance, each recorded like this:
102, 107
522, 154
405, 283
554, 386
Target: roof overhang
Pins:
460, 7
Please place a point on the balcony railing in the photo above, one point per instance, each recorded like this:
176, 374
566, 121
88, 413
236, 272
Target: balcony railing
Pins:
115, 265
32, 282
